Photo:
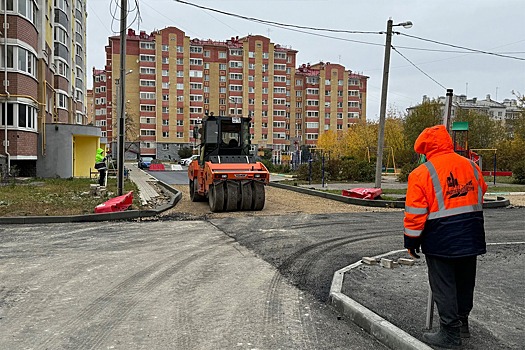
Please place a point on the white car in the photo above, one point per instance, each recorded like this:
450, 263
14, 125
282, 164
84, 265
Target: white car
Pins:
187, 161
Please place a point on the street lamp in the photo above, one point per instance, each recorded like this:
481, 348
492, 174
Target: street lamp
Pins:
382, 111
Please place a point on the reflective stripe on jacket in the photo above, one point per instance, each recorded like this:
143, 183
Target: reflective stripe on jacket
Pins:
100, 160
444, 200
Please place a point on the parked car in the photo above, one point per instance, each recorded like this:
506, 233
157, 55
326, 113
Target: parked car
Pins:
187, 161
144, 162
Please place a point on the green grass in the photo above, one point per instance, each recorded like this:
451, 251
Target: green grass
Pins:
50, 197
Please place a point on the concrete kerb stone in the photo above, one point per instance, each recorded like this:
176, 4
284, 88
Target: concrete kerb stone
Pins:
500, 202
175, 195
384, 331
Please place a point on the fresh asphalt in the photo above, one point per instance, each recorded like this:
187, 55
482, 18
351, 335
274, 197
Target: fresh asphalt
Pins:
309, 249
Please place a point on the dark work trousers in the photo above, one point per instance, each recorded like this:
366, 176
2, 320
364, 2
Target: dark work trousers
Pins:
102, 177
452, 282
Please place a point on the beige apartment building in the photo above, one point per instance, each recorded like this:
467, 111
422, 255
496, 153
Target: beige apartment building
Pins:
172, 80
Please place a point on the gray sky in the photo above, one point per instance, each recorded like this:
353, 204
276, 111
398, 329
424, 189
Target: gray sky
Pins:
486, 25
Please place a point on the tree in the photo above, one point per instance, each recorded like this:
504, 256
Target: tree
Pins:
423, 116
359, 141
483, 131
329, 142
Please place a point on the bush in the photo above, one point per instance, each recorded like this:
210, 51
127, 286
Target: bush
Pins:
518, 172
338, 170
405, 171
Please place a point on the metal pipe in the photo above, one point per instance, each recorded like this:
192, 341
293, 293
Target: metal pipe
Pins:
5, 90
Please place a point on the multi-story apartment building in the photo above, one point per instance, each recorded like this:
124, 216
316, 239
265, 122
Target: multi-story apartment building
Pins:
172, 80
43, 97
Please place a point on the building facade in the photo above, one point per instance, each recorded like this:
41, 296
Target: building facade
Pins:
172, 80
42, 62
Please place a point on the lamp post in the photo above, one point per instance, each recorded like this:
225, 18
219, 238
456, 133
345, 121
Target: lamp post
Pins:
384, 88
120, 101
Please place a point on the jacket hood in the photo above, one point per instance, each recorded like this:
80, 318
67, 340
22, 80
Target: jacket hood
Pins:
433, 141
100, 151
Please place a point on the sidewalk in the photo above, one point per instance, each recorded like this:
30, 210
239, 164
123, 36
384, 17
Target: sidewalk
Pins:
142, 179
391, 304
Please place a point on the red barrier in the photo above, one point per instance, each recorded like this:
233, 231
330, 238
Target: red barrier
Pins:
119, 203
156, 167
498, 173
362, 193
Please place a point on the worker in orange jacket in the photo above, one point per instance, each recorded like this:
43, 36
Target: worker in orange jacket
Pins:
444, 216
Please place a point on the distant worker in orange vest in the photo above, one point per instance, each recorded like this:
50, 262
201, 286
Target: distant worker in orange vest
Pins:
444, 216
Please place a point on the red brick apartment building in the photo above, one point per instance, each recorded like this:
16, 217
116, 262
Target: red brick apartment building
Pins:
43, 93
171, 80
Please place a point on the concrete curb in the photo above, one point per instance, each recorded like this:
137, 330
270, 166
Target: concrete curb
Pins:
384, 331
500, 202
122, 215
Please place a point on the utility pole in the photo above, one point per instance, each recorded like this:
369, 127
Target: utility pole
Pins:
121, 92
384, 88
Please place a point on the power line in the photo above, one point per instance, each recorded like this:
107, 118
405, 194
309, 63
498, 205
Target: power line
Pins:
462, 47
277, 23
290, 26
419, 69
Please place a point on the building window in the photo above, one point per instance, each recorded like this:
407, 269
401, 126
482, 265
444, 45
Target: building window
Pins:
144, 82
147, 96
196, 73
147, 132
147, 58
146, 120
196, 49
147, 70
165, 48
165, 134
147, 45
20, 59
147, 108
235, 64
62, 101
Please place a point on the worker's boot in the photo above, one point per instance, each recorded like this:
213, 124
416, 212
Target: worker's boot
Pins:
464, 330
447, 337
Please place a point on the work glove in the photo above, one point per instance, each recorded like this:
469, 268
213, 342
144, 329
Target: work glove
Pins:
413, 252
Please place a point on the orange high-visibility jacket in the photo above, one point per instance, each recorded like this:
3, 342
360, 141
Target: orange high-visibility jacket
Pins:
443, 208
